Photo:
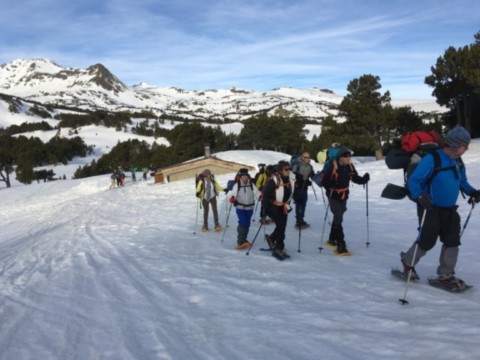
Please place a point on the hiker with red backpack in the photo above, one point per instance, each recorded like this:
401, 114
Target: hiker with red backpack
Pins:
277, 195
336, 181
435, 190
243, 196
207, 190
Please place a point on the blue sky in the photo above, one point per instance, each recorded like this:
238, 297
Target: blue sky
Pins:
254, 45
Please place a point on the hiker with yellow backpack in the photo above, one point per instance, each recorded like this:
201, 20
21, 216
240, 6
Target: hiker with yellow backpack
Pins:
336, 181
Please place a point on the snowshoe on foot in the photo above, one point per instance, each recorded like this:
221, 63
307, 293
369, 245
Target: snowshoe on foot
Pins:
331, 244
244, 245
218, 228
302, 225
449, 283
402, 275
280, 254
342, 249
204, 229
407, 268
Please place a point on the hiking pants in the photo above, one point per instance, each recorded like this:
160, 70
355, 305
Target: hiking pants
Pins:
338, 208
300, 205
206, 203
280, 220
443, 223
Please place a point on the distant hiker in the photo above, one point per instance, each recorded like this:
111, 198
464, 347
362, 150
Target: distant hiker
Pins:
277, 195
336, 181
113, 179
436, 200
145, 172
207, 191
118, 176
243, 198
303, 171
134, 171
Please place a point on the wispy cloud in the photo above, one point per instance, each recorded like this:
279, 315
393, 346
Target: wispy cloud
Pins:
255, 44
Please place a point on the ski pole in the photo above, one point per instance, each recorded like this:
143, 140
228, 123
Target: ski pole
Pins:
314, 193
255, 211
226, 223
404, 300
299, 237
324, 222
196, 217
468, 218
368, 228
255, 238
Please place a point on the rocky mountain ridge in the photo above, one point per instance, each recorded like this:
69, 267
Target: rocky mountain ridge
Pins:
95, 87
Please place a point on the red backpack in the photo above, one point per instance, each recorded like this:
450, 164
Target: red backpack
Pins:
411, 142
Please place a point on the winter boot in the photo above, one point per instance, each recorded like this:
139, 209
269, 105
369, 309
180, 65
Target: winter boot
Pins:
204, 229
242, 232
218, 228
342, 248
407, 268
336, 232
270, 241
280, 254
451, 282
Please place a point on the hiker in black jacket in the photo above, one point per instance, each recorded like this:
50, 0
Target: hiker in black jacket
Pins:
277, 195
336, 181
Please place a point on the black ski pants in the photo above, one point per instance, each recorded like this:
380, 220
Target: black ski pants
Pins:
278, 216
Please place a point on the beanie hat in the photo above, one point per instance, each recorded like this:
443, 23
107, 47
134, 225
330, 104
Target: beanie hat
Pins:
457, 137
243, 171
343, 151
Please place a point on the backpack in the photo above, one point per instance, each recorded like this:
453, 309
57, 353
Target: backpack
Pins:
231, 183
415, 146
294, 160
326, 158
262, 168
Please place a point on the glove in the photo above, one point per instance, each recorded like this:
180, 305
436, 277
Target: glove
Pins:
366, 178
474, 196
225, 191
424, 201
232, 200
308, 183
197, 194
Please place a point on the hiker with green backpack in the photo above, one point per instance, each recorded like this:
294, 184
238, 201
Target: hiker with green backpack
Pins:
336, 181
207, 190
435, 190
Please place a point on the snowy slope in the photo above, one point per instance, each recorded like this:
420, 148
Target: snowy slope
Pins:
92, 273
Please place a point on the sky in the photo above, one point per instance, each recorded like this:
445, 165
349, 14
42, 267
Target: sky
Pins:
91, 273
254, 45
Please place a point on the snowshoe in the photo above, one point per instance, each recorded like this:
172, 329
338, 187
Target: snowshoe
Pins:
449, 283
243, 246
218, 228
302, 226
204, 229
331, 244
280, 254
402, 275
342, 252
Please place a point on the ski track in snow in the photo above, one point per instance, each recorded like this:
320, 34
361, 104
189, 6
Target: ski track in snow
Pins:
90, 273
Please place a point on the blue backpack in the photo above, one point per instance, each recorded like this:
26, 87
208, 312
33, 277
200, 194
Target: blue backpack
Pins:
331, 154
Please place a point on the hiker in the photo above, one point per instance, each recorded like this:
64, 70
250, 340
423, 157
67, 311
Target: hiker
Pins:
336, 181
303, 171
113, 178
207, 190
243, 198
277, 195
264, 173
134, 171
436, 200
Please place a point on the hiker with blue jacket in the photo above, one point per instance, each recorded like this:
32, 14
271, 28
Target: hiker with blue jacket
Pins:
436, 192
303, 171
336, 181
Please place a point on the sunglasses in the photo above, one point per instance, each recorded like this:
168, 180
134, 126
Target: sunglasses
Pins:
346, 155
286, 169
305, 157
